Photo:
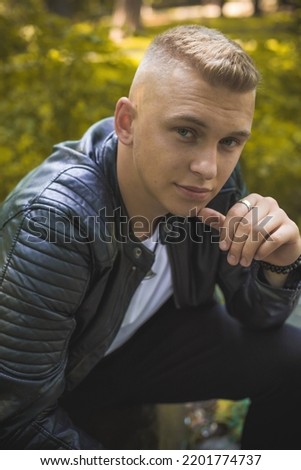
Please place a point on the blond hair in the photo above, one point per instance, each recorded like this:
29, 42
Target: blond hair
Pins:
219, 60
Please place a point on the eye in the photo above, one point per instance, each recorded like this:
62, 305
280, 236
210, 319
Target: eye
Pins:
184, 132
230, 142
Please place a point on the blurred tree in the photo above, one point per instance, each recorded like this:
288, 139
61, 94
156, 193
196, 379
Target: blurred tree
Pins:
62, 7
126, 19
79, 9
57, 77
257, 8
292, 4
174, 3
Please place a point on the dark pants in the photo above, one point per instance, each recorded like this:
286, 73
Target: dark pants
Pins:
192, 355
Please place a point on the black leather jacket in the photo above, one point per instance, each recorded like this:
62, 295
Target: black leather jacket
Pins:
69, 270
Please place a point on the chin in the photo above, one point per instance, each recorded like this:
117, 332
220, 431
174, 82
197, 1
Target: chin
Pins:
190, 212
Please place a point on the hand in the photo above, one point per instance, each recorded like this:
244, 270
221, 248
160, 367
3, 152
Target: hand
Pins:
261, 232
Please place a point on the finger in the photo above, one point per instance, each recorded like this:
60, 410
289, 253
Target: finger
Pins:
212, 218
279, 248
238, 220
260, 238
246, 234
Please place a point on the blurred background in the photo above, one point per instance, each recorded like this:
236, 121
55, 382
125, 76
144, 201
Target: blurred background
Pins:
64, 64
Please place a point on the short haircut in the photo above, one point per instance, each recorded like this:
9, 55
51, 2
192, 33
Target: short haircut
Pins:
219, 60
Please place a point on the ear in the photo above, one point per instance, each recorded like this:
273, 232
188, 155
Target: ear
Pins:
124, 116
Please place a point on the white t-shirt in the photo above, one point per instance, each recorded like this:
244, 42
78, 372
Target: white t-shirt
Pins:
150, 295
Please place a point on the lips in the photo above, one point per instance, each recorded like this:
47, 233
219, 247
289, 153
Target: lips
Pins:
195, 189
194, 192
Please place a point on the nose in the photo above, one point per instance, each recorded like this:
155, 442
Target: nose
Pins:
204, 162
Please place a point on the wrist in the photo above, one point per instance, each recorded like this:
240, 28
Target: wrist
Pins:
280, 270
277, 276
275, 279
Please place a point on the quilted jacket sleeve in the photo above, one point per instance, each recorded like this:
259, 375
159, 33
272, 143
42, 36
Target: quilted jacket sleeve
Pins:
252, 301
45, 274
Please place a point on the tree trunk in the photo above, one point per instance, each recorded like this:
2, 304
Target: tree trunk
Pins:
126, 18
60, 7
257, 9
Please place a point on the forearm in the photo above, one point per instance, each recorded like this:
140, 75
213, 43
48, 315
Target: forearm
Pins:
275, 279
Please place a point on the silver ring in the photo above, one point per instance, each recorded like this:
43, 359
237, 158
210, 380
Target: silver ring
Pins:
246, 203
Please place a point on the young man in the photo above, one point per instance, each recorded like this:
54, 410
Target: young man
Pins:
112, 248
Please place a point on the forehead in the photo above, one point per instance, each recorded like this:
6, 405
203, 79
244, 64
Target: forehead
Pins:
183, 92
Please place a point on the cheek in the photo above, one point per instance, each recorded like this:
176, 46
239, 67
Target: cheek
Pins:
156, 157
226, 167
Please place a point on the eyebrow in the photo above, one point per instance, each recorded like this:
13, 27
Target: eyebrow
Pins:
200, 123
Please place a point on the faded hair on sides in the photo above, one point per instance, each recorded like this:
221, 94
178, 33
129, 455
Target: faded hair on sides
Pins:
219, 60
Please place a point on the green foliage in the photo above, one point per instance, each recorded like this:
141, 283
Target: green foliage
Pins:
56, 78
272, 158
232, 414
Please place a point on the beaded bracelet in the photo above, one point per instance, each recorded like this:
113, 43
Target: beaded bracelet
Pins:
281, 269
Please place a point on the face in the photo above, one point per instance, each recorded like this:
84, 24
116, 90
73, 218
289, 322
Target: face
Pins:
184, 141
